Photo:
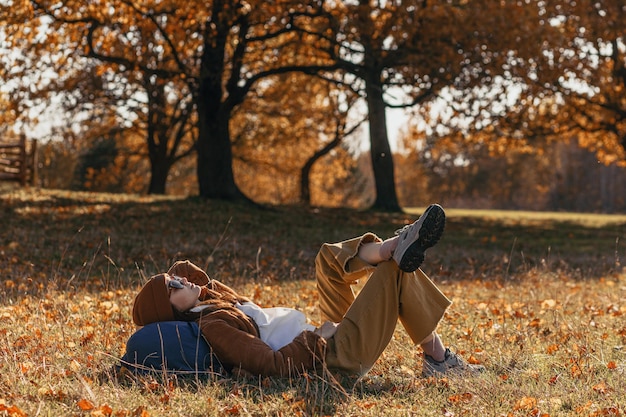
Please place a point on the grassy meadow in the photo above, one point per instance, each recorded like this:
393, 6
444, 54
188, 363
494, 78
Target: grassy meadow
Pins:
539, 299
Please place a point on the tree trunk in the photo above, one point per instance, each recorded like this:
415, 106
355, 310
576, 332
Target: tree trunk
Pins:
214, 153
158, 177
157, 149
382, 160
305, 172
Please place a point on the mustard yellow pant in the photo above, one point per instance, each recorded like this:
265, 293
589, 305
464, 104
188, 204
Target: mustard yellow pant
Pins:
367, 321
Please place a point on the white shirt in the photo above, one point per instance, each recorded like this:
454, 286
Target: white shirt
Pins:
278, 326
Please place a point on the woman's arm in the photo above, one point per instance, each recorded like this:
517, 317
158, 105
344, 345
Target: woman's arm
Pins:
237, 348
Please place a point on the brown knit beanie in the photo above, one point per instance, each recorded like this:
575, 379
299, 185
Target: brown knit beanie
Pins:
192, 272
152, 304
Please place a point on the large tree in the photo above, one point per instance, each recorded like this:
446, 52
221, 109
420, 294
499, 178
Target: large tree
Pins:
179, 56
99, 64
411, 53
208, 56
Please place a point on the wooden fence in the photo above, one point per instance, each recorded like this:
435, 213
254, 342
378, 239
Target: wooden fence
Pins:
18, 161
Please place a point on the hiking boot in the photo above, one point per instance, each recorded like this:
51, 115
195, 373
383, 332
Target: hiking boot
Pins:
414, 239
453, 364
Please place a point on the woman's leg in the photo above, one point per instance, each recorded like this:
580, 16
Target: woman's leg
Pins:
377, 252
337, 269
413, 300
433, 347
370, 321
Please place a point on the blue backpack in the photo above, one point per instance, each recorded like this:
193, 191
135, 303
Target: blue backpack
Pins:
173, 346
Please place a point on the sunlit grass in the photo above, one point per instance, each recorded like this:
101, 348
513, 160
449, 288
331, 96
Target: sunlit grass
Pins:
551, 346
584, 219
552, 337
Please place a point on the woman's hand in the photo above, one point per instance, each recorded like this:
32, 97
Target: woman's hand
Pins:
327, 329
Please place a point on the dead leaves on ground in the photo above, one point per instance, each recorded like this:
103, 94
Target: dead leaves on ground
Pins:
106, 411
553, 333
570, 333
553, 344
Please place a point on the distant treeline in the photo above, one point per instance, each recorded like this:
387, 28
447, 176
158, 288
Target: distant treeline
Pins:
564, 177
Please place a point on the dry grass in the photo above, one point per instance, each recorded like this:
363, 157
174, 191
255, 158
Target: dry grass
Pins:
538, 299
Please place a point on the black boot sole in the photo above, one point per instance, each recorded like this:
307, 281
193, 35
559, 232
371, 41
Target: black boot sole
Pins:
430, 232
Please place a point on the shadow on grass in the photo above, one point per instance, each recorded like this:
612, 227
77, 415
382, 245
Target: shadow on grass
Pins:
105, 241
308, 393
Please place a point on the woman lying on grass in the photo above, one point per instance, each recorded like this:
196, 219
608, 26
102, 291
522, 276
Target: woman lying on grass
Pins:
249, 339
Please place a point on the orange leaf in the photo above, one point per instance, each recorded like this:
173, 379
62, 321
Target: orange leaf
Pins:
12, 411
85, 405
234, 410
102, 411
526, 403
609, 411
576, 371
583, 407
600, 388
465, 397
473, 360
552, 349
366, 404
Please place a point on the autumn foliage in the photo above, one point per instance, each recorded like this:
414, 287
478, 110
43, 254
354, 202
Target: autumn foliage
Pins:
217, 83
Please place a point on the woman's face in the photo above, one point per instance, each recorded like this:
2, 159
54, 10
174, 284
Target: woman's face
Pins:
183, 298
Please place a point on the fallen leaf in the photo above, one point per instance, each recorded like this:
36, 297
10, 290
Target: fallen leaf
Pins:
85, 405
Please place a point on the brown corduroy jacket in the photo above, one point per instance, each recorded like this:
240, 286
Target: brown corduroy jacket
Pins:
235, 341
